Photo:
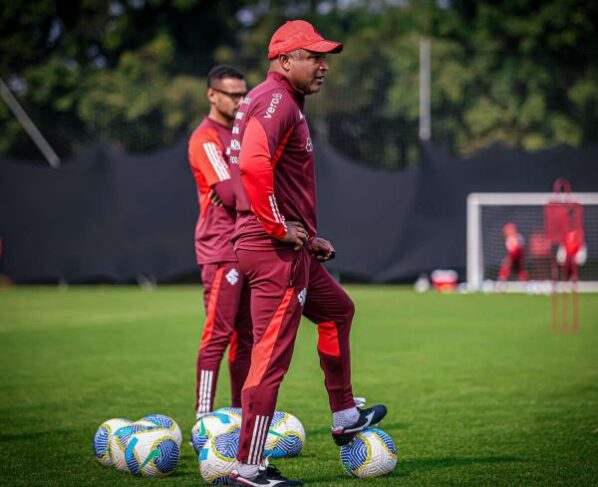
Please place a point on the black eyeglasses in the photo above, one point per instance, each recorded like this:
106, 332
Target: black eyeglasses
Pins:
232, 96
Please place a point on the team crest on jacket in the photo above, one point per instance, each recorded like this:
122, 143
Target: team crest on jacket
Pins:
308, 145
232, 276
302, 296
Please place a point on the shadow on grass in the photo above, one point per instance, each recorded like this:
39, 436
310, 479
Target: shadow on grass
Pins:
407, 467
386, 426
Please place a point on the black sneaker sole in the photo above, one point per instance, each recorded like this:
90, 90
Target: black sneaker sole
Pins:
342, 439
286, 483
345, 438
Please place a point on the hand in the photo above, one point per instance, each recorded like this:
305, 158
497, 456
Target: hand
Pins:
296, 235
322, 249
214, 198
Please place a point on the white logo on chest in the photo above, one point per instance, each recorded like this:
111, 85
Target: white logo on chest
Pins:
232, 277
308, 145
276, 97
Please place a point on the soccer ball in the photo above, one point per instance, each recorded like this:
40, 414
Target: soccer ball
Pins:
286, 436
153, 452
166, 422
218, 456
371, 454
146, 422
101, 439
209, 426
119, 442
233, 413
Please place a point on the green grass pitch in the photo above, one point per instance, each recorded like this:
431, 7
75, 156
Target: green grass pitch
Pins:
479, 390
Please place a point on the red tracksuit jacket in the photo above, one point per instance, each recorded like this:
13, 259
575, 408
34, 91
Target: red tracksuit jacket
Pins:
272, 165
215, 224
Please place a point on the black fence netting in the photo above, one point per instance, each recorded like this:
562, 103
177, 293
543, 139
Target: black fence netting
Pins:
111, 217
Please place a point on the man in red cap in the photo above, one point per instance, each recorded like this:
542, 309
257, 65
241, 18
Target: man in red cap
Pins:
276, 242
226, 297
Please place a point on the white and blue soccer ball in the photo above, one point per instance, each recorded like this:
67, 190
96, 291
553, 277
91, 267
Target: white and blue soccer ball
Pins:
371, 454
218, 456
119, 442
152, 452
235, 414
286, 436
209, 426
101, 440
165, 422
145, 422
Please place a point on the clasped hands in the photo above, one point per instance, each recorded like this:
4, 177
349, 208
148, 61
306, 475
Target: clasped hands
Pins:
297, 235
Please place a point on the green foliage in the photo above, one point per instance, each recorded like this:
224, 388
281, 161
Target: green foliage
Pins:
525, 60
130, 116
520, 73
108, 69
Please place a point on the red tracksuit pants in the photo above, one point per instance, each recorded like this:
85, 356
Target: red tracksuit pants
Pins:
513, 263
285, 284
228, 321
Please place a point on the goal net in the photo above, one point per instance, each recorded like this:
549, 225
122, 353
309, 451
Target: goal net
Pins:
489, 220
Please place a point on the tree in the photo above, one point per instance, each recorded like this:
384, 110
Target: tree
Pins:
127, 71
519, 72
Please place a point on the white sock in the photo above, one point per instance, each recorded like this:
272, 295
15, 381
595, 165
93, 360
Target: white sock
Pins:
246, 470
346, 417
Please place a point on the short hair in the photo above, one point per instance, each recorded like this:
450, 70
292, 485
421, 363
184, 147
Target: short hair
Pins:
222, 71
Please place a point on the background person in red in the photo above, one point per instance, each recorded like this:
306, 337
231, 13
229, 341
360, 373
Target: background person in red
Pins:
572, 253
225, 294
514, 260
276, 242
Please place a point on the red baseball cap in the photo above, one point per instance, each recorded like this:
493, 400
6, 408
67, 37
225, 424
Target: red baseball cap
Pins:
299, 34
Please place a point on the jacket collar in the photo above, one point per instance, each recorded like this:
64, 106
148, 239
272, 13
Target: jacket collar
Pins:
284, 81
213, 123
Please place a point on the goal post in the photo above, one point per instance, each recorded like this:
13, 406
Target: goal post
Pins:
488, 213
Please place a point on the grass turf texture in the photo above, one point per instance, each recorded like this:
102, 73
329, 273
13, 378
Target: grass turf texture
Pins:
479, 390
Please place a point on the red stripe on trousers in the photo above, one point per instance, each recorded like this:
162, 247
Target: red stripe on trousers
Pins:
328, 339
211, 312
262, 351
234, 343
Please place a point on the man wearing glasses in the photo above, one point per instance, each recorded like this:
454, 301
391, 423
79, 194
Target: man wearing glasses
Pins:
226, 300
280, 252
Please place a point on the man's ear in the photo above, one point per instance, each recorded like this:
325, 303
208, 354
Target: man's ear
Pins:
211, 94
285, 61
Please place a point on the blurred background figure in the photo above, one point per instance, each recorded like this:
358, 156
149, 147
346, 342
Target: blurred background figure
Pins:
514, 261
571, 254
540, 256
